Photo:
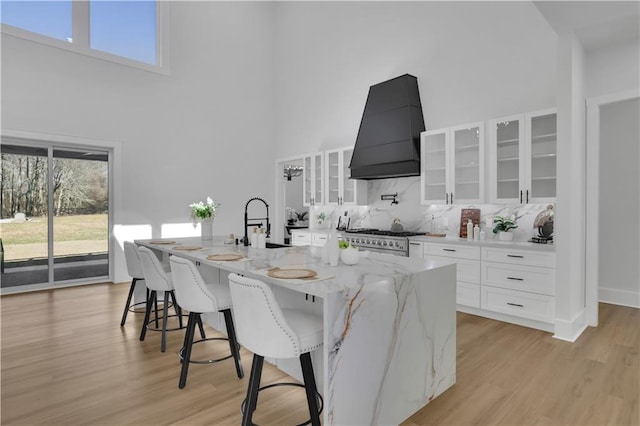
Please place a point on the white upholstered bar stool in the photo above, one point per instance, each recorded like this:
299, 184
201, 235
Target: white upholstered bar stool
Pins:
273, 332
157, 280
194, 295
134, 269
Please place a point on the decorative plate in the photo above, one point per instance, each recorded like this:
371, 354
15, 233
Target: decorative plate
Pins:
291, 273
162, 242
187, 248
225, 256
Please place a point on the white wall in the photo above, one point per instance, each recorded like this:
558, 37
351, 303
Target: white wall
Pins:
204, 130
473, 60
613, 69
619, 273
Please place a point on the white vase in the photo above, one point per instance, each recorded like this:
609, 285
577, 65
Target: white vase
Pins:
505, 236
332, 248
206, 229
350, 256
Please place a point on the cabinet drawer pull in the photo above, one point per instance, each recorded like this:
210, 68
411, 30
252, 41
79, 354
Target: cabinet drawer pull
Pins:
515, 278
515, 304
414, 244
516, 256
448, 249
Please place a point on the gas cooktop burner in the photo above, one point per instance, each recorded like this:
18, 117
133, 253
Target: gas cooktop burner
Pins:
383, 232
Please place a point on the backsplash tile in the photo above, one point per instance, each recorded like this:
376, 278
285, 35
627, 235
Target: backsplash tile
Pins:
416, 217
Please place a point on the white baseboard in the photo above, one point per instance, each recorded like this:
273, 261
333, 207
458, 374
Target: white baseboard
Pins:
571, 330
619, 297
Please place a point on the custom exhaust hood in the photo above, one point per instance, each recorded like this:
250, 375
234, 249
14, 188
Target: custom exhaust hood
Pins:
388, 142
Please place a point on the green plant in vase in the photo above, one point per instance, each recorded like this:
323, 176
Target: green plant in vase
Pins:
502, 226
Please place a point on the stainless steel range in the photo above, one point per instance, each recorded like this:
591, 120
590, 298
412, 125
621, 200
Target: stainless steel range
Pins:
380, 241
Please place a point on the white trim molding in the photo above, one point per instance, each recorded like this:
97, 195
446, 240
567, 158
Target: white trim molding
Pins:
571, 330
116, 255
593, 294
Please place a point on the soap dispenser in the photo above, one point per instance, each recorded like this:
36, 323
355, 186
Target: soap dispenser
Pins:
469, 230
254, 238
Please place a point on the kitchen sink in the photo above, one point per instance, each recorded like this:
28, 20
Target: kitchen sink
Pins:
276, 245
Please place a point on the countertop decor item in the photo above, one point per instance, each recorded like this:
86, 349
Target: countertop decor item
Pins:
465, 215
396, 226
502, 227
544, 223
205, 212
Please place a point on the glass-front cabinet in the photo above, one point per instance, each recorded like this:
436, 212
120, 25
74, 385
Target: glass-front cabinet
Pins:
341, 189
452, 165
542, 141
313, 182
522, 158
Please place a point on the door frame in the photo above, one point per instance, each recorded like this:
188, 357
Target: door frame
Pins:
114, 149
592, 237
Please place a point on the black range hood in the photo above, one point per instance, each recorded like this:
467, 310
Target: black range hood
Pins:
388, 142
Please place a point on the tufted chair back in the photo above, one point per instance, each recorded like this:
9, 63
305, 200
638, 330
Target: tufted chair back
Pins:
134, 269
260, 323
154, 275
191, 291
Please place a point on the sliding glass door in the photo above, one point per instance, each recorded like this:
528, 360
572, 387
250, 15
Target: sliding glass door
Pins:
24, 221
55, 226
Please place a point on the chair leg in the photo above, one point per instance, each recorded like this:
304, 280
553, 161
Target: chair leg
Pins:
126, 306
201, 327
186, 352
310, 387
147, 314
233, 341
165, 309
155, 303
177, 308
252, 390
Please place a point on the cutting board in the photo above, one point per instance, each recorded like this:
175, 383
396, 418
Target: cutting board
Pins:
465, 215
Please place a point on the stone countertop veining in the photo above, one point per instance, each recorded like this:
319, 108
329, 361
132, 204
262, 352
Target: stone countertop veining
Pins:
372, 267
522, 245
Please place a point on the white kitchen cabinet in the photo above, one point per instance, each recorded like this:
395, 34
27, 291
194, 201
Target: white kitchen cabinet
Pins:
519, 283
416, 249
522, 158
341, 189
467, 260
308, 238
313, 182
300, 238
452, 165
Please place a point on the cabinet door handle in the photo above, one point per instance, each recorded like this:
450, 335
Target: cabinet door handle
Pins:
447, 197
527, 196
515, 304
515, 278
516, 256
521, 196
452, 198
449, 249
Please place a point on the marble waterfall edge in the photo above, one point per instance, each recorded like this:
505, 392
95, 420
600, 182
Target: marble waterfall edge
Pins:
411, 322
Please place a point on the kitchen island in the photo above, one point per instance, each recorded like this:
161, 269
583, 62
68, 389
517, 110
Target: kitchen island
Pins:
389, 324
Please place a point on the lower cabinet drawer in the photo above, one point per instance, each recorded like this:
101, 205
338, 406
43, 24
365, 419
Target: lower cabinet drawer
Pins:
466, 270
468, 294
519, 303
300, 239
516, 277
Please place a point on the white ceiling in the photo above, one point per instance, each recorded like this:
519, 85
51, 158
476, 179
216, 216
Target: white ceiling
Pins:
597, 24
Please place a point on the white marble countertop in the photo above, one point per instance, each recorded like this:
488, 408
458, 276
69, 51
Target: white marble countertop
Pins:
523, 245
371, 269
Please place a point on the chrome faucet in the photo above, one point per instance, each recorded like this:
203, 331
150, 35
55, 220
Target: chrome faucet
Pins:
245, 240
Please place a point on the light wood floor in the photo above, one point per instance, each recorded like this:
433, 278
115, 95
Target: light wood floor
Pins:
66, 361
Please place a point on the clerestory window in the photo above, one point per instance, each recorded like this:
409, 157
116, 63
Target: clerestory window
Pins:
127, 32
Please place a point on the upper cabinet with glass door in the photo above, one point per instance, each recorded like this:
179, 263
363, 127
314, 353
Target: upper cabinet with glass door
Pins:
522, 158
542, 149
452, 165
341, 189
313, 183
